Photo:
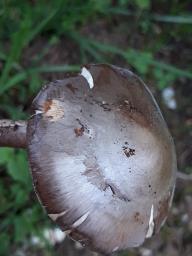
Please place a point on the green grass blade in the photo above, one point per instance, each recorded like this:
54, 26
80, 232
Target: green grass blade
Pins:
41, 26
172, 19
177, 71
14, 80
179, 19
136, 54
54, 68
118, 11
18, 78
20, 40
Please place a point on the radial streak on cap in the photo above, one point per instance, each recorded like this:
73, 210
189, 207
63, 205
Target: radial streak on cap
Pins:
80, 220
151, 223
55, 216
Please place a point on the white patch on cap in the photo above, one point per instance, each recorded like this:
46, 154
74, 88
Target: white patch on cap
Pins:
163, 222
87, 75
68, 231
78, 246
151, 223
171, 196
115, 249
55, 216
37, 112
55, 111
80, 220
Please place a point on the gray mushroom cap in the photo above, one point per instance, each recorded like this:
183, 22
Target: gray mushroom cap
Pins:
102, 159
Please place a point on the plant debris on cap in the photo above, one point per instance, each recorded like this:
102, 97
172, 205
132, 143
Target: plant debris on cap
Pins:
102, 159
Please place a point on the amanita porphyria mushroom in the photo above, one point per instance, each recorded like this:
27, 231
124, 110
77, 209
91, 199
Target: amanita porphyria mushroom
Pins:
102, 159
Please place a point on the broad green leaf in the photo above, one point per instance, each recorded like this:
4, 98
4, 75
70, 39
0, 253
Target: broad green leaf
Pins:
4, 243
5, 154
20, 194
21, 228
18, 168
143, 4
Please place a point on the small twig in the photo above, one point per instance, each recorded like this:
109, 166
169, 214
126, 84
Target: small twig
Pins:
184, 176
12, 133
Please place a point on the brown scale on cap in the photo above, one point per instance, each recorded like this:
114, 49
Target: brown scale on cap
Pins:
95, 142
53, 109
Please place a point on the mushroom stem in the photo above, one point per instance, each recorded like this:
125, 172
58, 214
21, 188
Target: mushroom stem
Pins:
13, 133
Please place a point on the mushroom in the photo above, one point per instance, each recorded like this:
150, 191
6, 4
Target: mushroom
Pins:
102, 159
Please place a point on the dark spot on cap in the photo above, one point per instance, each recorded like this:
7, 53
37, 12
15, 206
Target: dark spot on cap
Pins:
71, 88
138, 218
128, 151
47, 105
16, 126
79, 131
128, 110
103, 105
116, 192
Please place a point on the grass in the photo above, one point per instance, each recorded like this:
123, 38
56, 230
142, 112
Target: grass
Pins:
26, 30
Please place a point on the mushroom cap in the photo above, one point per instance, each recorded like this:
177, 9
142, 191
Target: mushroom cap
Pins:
102, 159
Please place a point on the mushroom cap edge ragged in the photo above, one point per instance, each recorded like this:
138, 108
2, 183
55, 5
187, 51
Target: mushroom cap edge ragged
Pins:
102, 159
